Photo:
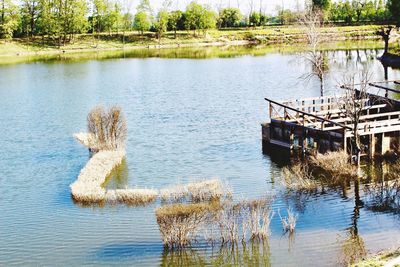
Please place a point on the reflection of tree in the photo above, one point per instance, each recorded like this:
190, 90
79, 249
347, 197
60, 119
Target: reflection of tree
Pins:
253, 253
184, 257
384, 195
353, 247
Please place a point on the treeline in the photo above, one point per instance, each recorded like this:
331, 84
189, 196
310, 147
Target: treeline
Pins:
60, 20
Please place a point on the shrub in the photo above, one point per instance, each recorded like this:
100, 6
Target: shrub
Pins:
206, 190
299, 177
132, 196
335, 164
107, 128
179, 223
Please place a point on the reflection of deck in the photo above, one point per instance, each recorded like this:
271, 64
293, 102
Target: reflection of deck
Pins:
320, 124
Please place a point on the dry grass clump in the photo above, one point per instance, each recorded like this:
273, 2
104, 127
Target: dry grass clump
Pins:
107, 128
206, 190
289, 222
229, 223
84, 193
174, 193
335, 163
88, 186
179, 223
132, 196
299, 177
243, 221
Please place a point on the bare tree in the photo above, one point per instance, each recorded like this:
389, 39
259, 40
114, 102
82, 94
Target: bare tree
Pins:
353, 104
385, 33
311, 21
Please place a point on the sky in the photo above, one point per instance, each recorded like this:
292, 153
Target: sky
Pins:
267, 6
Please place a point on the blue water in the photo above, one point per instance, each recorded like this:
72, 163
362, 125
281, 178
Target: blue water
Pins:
187, 119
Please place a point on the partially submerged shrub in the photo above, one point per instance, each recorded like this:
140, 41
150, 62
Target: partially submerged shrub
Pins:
174, 193
132, 196
107, 128
335, 164
299, 177
227, 223
206, 190
88, 187
289, 222
179, 223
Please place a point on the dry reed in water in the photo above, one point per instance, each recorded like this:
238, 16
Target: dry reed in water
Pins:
243, 221
259, 216
289, 222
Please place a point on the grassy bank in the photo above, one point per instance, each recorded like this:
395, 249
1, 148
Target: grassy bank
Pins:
86, 43
391, 258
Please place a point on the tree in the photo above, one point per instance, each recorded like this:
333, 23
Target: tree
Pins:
255, 19
161, 23
199, 18
47, 22
141, 22
29, 15
315, 57
286, 16
107, 16
358, 7
9, 18
230, 17
176, 21
394, 8
321, 4
385, 34
145, 6
354, 105
208, 20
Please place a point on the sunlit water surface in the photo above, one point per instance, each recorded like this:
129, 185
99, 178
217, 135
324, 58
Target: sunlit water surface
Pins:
188, 119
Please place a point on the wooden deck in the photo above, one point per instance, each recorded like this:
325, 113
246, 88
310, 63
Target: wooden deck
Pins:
320, 124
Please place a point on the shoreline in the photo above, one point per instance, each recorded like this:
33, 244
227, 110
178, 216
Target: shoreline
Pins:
18, 49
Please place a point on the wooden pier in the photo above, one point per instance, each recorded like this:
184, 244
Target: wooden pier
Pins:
320, 124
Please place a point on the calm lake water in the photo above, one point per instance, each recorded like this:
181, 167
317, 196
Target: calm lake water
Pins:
188, 119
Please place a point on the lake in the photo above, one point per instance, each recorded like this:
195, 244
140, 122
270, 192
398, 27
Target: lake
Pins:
188, 118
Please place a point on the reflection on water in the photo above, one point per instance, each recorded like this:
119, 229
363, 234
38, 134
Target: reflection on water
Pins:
118, 178
254, 253
383, 193
188, 119
208, 52
353, 247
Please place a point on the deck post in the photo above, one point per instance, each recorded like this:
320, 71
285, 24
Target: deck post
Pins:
371, 146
